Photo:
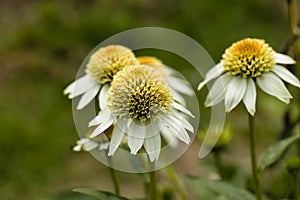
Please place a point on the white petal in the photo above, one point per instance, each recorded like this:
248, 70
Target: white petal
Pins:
88, 97
152, 146
117, 136
235, 92
101, 117
103, 146
184, 136
283, 59
170, 138
90, 145
177, 130
77, 147
217, 91
177, 97
180, 86
286, 75
181, 120
103, 96
250, 96
136, 135
213, 73
274, 86
103, 126
182, 109
80, 86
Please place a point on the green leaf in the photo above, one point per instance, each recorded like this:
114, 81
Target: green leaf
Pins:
70, 196
274, 152
222, 190
102, 195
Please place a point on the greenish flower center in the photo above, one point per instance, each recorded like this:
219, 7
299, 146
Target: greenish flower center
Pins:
140, 93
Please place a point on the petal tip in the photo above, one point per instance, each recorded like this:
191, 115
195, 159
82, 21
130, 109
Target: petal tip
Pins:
200, 86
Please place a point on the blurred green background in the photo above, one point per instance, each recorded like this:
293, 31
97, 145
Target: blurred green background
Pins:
42, 45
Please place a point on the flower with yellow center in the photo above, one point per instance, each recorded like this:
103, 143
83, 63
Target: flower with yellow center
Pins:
243, 64
100, 71
176, 84
140, 104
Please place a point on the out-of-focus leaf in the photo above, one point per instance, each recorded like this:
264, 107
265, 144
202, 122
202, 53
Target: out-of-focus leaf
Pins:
102, 195
274, 152
223, 190
70, 196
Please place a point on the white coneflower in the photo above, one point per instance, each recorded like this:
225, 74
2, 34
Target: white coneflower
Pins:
176, 84
87, 144
245, 63
100, 71
140, 104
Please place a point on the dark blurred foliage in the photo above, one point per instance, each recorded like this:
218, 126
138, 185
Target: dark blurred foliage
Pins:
42, 45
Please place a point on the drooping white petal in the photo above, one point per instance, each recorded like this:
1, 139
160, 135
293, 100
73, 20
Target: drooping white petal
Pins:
180, 86
88, 97
283, 59
182, 109
274, 86
176, 130
101, 117
136, 136
90, 145
170, 138
103, 126
77, 148
152, 146
286, 75
235, 92
213, 73
177, 97
117, 136
80, 86
103, 146
103, 96
181, 120
250, 96
184, 136
217, 92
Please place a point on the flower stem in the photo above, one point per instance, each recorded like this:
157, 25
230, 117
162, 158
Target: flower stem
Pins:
255, 177
115, 180
292, 16
178, 183
297, 186
152, 185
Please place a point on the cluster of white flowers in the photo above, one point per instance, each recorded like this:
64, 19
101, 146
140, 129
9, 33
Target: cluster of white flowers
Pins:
139, 98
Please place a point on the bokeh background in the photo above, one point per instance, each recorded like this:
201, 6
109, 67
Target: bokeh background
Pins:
42, 45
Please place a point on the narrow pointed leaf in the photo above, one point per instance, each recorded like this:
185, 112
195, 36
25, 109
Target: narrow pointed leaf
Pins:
274, 152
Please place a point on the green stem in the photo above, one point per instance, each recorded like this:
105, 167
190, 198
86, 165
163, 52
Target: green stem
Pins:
113, 175
152, 186
297, 186
255, 177
115, 180
292, 16
178, 184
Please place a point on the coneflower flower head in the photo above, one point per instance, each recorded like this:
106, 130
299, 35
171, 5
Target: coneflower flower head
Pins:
140, 104
243, 64
100, 71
